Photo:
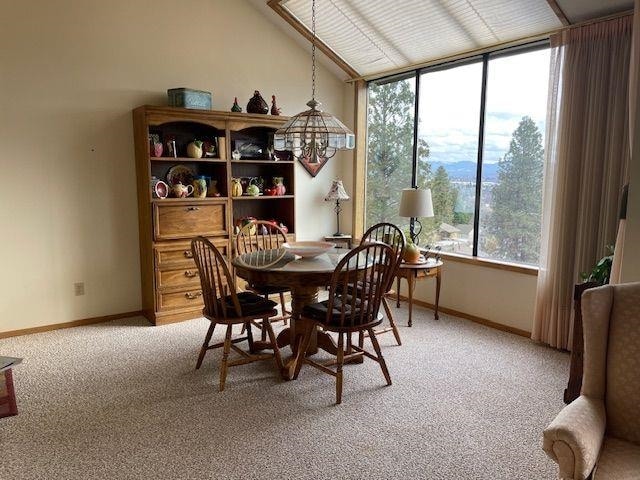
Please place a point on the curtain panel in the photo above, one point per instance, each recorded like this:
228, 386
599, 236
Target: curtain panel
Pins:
586, 160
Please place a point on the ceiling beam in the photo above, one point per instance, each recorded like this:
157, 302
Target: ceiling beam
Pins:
276, 5
559, 13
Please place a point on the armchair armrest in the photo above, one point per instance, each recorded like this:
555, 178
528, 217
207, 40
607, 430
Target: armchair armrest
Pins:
574, 437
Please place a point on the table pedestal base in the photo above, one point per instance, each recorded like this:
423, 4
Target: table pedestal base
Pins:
293, 335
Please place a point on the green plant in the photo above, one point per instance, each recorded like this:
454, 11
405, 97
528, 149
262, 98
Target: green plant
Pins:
602, 270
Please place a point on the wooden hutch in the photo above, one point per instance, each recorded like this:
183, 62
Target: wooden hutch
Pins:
170, 283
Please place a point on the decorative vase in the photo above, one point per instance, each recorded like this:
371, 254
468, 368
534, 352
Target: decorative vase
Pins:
236, 187
157, 149
257, 104
279, 185
274, 108
194, 149
411, 253
235, 107
200, 187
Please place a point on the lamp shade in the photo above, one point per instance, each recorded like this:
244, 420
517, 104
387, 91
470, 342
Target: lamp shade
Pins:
416, 203
337, 192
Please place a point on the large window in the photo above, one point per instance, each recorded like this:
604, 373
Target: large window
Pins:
479, 148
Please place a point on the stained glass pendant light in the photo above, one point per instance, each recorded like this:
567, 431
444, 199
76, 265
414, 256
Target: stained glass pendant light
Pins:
314, 136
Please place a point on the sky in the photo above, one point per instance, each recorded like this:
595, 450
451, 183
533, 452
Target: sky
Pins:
450, 105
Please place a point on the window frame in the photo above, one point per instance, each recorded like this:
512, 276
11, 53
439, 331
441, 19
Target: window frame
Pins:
416, 74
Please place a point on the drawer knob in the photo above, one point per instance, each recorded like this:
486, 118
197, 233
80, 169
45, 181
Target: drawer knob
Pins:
190, 274
193, 295
189, 209
188, 254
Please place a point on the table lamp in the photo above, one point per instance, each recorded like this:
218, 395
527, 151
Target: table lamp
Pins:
416, 203
337, 193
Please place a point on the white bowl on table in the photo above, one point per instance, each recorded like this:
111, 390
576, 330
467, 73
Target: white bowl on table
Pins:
308, 249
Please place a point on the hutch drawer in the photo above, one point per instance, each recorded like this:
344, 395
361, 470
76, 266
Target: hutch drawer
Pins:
178, 300
170, 255
188, 220
183, 277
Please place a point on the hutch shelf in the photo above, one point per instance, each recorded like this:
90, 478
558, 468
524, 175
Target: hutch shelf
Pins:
170, 284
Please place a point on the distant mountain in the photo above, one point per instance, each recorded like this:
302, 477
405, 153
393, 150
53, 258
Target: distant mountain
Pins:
465, 171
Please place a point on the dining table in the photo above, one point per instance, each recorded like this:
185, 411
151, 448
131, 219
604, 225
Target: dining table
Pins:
304, 277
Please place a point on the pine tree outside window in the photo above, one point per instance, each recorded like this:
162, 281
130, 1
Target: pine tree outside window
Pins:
480, 149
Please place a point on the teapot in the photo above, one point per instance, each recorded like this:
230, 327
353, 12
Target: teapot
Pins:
181, 191
252, 189
236, 187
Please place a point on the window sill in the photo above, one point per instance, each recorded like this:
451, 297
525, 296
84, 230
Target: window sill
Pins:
484, 262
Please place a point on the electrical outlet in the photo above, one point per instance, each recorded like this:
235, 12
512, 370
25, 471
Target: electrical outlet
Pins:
78, 288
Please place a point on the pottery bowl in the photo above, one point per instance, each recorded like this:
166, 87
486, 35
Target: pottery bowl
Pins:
308, 249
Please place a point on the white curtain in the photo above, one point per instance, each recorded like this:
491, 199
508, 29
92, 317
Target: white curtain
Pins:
587, 152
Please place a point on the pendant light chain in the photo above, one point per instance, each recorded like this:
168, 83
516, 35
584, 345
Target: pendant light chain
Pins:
313, 136
313, 50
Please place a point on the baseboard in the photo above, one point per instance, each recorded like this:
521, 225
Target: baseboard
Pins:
75, 323
467, 316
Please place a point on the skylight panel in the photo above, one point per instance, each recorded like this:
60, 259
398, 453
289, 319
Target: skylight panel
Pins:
374, 36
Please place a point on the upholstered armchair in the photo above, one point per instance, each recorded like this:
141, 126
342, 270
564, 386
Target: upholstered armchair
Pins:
597, 436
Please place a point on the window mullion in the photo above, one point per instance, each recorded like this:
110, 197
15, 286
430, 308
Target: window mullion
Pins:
483, 101
416, 106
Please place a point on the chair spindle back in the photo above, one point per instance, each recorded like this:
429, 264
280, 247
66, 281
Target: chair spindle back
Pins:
368, 264
215, 279
259, 235
391, 235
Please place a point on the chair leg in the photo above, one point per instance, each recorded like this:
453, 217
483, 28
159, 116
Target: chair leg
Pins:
205, 344
394, 327
284, 310
339, 361
247, 327
272, 338
263, 333
376, 347
225, 357
361, 339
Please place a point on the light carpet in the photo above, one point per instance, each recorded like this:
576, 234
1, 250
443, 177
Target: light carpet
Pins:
122, 400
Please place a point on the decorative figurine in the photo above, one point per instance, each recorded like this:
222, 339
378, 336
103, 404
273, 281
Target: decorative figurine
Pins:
171, 148
278, 183
274, 108
257, 104
236, 155
212, 188
235, 107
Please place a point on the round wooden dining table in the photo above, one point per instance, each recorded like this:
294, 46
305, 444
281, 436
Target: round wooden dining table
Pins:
305, 277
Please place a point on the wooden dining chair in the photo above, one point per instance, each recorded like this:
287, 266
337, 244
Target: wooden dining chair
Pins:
223, 305
262, 235
391, 235
352, 309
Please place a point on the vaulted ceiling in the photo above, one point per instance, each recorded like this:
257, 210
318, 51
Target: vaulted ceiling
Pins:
370, 37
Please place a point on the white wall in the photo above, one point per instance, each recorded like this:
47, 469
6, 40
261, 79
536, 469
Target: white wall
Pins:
71, 71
